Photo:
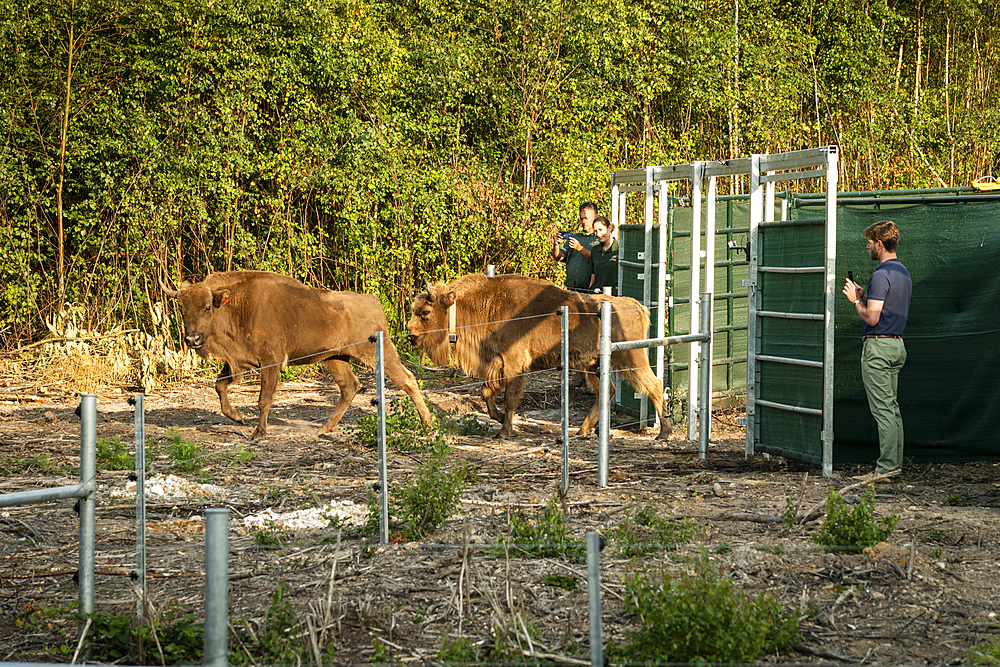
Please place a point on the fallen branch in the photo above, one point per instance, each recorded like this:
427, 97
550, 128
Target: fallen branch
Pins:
816, 509
62, 339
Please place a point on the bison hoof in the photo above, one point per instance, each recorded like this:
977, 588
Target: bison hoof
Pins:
258, 434
502, 435
664, 431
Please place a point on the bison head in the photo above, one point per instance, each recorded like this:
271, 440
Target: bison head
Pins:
428, 325
199, 309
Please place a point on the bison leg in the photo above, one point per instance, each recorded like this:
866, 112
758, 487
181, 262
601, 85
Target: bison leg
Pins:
511, 399
269, 376
348, 384
226, 378
594, 383
638, 374
404, 379
489, 394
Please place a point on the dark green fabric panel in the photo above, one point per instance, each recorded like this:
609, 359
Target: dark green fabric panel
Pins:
950, 386
795, 434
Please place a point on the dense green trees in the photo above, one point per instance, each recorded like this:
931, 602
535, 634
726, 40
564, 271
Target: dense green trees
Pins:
375, 145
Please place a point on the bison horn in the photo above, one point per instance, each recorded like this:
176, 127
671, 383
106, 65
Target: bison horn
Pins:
430, 293
166, 290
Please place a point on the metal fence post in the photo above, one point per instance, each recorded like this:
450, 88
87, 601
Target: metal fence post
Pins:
604, 416
216, 587
594, 597
564, 390
705, 377
87, 502
138, 400
491, 270
383, 481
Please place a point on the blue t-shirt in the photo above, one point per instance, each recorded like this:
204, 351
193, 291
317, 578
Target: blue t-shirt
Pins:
890, 284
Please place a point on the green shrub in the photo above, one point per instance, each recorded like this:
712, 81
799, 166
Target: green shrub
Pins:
544, 535
459, 650
648, 530
113, 455
404, 432
427, 502
278, 642
567, 582
984, 654
186, 453
173, 639
701, 618
854, 529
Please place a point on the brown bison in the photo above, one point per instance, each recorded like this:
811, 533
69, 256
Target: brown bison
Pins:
256, 319
510, 325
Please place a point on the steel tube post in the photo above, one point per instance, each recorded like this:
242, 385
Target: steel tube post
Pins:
564, 390
139, 403
383, 476
491, 270
594, 597
705, 373
604, 416
216, 587
693, 350
88, 480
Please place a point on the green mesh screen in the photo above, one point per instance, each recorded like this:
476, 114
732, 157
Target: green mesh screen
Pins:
949, 393
794, 244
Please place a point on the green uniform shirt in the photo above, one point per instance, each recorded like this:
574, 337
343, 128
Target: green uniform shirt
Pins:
578, 267
605, 266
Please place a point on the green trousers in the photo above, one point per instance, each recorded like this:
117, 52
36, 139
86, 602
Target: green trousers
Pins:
881, 361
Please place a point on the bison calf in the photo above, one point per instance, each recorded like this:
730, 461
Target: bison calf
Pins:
256, 319
509, 325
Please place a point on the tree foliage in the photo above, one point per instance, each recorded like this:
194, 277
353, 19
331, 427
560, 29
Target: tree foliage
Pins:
372, 146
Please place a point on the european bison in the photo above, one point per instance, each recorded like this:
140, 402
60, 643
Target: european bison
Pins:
256, 319
510, 325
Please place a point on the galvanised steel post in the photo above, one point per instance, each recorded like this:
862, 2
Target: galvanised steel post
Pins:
88, 501
216, 587
138, 401
604, 416
594, 597
491, 270
705, 377
383, 476
564, 389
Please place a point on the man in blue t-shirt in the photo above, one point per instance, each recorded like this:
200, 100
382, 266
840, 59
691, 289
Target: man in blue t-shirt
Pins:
883, 314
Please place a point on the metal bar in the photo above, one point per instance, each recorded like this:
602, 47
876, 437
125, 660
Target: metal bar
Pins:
43, 495
791, 316
139, 404
794, 175
564, 388
674, 172
737, 167
663, 275
903, 201
809, 157
653, 342
756, 217
780, 224
604, 416
491, 270
216, 587
383, 476
790, 360
88, 503
693, 306
638, 265
791, 269
705, 381
647, 274
789, 408
594, 598
831, 295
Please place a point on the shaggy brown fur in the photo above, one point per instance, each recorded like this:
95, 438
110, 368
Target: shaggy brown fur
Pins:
256, 319
509, 325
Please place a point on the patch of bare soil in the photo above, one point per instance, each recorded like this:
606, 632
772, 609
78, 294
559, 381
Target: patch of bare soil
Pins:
924, 598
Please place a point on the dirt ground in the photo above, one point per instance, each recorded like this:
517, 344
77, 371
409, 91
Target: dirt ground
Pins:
924, 598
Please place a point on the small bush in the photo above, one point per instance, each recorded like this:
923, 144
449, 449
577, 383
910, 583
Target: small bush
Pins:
427, 502
404, 432
185, 453
544, 535
702, 618
173, 639
648, 530
984, 654
40, 463
854, 528
567, 582
276, 643
113, 455
458, 650
956, 500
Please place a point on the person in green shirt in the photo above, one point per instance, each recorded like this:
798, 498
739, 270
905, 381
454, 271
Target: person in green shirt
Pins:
604, 257
576, 250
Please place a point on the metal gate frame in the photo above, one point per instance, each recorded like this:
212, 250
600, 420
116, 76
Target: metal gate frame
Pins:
765, 171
